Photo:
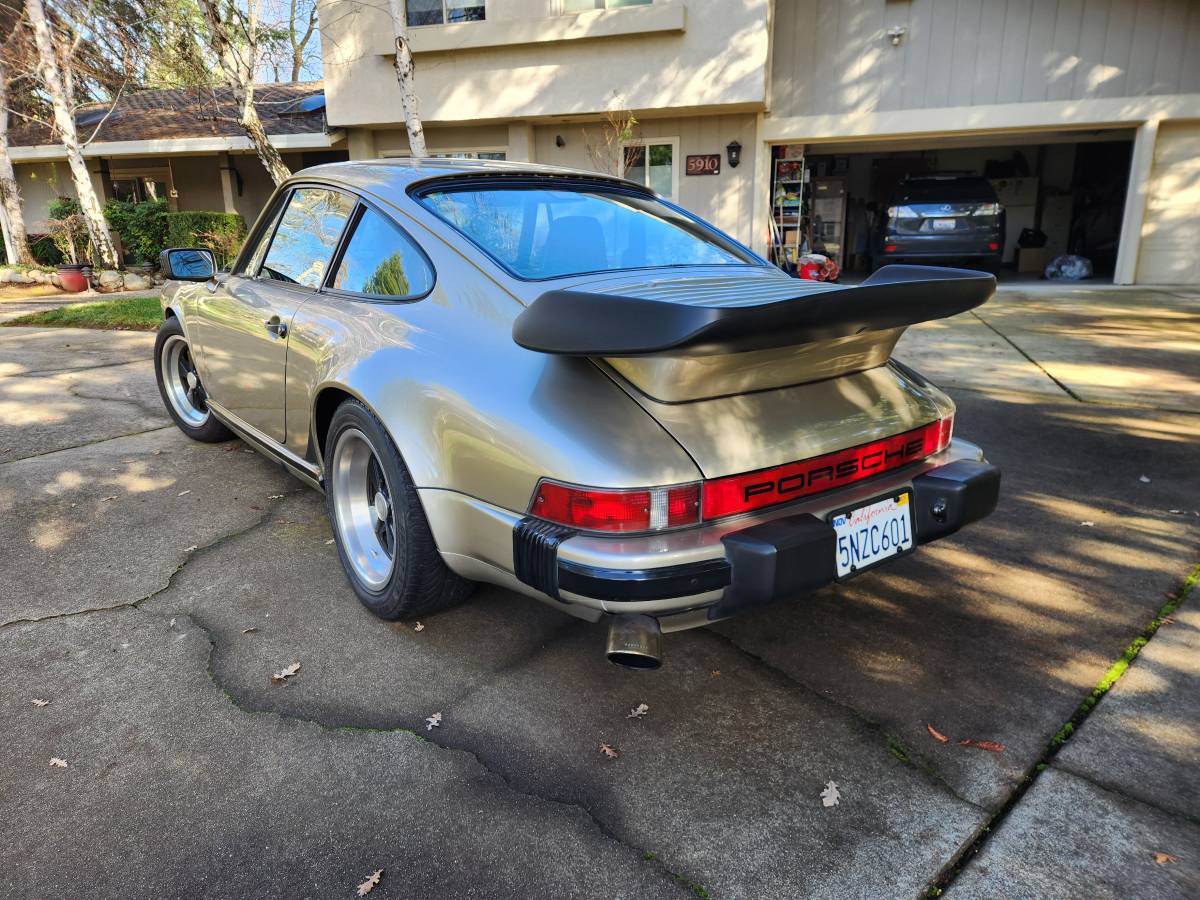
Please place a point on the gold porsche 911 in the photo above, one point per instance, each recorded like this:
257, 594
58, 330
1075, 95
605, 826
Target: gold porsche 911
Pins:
561, 383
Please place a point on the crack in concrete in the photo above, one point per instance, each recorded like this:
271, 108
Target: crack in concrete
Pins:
115, 437
971, 848
897, 749
45, 373
1004, 337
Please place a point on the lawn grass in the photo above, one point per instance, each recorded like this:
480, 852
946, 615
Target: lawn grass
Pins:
130, 314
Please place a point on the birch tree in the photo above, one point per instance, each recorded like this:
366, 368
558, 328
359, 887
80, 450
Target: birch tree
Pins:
58, 81
405, 71
234, 37
16, 242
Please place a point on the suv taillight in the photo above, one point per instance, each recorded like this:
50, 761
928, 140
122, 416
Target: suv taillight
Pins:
598, 509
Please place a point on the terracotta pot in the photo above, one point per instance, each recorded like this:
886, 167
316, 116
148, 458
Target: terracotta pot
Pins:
74, 278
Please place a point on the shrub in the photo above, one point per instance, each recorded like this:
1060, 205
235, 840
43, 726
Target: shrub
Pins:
43, 250
142, 227
64, 207
220, 232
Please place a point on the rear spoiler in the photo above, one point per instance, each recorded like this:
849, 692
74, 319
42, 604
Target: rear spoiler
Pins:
581, 323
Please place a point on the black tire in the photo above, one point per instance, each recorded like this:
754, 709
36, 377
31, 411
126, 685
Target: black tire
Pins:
419, 582
207, 429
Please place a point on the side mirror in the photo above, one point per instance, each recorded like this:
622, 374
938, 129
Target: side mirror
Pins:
187, 263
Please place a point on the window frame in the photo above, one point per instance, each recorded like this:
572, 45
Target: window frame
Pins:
446, 17
571, 182
650, 142
344, 244
277, 219
445, 153
599, 6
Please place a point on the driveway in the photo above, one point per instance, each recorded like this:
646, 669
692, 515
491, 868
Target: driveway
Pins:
150, 586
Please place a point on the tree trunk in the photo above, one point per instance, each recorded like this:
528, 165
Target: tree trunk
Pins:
404, 77
64, 121
16, 242
238, 64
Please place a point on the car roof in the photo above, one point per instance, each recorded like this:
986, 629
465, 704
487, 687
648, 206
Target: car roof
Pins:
391, 178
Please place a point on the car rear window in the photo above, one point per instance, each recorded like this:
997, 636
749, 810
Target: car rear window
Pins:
948, 190
538, 232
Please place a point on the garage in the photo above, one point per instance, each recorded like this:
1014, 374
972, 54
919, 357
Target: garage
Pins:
1008, 203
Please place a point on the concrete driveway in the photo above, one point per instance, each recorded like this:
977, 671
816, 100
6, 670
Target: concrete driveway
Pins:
149, 587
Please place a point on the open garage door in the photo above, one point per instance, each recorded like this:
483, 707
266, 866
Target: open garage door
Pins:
1010, 203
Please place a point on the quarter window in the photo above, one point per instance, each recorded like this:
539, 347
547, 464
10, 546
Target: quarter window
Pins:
307, 236
382, 260
441, 12
652, 163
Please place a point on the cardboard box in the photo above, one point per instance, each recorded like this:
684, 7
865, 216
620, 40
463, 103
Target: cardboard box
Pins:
1031, 259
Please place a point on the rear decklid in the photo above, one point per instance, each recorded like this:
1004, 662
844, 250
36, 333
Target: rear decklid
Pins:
678, 338
756, 369
953, 207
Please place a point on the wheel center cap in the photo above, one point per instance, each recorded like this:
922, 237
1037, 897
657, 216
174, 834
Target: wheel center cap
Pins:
381, 506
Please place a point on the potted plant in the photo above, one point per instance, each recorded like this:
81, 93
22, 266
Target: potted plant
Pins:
70, 236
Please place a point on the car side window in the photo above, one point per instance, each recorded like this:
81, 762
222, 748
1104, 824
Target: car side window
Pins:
381, 260
307, 235
260, 249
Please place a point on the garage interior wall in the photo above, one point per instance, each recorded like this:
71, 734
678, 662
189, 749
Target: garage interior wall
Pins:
1171, 226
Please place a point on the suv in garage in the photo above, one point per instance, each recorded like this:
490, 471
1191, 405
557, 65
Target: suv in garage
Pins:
942, 218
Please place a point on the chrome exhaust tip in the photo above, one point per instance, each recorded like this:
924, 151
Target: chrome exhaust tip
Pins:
634, 642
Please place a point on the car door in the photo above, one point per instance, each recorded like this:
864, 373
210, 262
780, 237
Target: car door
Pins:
243, 325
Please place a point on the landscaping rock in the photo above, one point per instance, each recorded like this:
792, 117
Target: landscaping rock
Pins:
14, 276
55, 280
109, 281
136, 282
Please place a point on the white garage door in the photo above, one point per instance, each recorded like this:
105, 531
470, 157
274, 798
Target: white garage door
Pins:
1170, 250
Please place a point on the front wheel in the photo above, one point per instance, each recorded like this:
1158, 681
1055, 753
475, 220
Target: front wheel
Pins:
179, 384
382, 535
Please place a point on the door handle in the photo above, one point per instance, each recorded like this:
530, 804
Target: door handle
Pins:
276, 327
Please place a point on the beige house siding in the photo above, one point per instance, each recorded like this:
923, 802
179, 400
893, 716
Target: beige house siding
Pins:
835, 58
1171, 224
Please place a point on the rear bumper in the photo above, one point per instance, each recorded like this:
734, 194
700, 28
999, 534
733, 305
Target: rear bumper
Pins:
773, 560
689, 577
935, 246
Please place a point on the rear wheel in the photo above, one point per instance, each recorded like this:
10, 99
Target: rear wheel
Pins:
179, 384
382, 535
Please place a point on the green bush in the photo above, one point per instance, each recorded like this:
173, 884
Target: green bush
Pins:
61, 207
43, 250
220, 232
142, 228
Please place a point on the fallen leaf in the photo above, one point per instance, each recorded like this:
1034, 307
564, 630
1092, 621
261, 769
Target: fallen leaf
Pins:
330, 541
937, 735
157, 452
59, 763
1088, 524
434, 721
191, 549
990, 746
257, 508
610, 751
1167, 620
715, 672
831, 796
1144, 480
250, 630
369, 885
418, 627
181, 493
1163, 858
37, 701
286, 673
275, 497
106, 499
637, 712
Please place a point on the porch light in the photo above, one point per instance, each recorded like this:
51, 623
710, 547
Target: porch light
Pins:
734, 151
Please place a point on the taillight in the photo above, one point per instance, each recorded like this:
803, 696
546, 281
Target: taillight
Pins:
736, 494
986, 209
656, 509
993, 245
597, 509
889, 248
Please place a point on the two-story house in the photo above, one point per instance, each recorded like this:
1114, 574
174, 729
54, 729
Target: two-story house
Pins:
789, 122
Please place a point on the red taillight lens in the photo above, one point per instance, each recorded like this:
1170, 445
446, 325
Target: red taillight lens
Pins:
993, 246
889, 248
741, 493
593, 509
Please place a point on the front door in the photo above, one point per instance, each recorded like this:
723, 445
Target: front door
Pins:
242, 326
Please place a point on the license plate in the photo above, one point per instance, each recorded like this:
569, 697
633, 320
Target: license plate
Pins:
869, 534
944, 224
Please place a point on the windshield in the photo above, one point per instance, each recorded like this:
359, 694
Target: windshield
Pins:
947, 190
537, 232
